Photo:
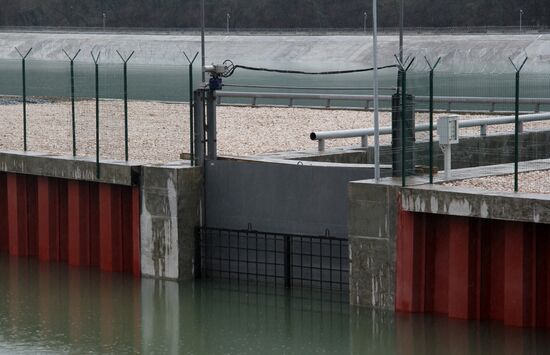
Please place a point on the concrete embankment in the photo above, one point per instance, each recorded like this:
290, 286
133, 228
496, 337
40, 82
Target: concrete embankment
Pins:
460, 53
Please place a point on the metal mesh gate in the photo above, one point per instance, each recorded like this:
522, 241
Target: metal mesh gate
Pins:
285, 259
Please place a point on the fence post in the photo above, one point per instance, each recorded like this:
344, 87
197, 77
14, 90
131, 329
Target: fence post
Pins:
125, 68
24, 77
517, 125
96, 61
73, 114
432, 69
191, 118
403, 67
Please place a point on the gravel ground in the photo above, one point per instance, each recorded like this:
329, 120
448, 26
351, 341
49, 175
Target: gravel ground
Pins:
533, 182
159, 132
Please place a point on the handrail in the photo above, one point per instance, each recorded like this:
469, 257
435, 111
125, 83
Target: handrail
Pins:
367, 99
483, 123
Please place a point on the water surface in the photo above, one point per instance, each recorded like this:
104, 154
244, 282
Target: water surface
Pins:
53, 309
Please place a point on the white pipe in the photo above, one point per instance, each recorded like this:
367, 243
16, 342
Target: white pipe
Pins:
375, 78
491, 121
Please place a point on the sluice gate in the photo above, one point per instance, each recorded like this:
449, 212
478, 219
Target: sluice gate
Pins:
319, 262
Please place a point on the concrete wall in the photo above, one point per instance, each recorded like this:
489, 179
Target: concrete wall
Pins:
170, 214
162, 203
283, 197
372, 238
466, 253
68, 167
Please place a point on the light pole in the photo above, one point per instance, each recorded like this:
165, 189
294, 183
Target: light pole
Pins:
375, 79
520, 19
203, 52
104, 21
401, 25
365, 22
228, 17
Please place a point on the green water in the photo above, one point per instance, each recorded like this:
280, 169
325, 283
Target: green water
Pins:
55, 309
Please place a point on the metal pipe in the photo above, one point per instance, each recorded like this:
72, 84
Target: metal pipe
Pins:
211, 125
24, 70
375, 79
403, 125
401, 28
385, 98
198, 117
191, 123
73, 111
480, 122
96, 65
203, 53
24, 78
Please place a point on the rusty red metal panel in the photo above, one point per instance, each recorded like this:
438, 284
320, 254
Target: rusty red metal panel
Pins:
17, 215
419, 262
515, 282
63, 222
32, 215
3, 213
459, 268
136, 234
47, 218
117, 227
404, 300
78, 223
105, 226
441, 264
94, 223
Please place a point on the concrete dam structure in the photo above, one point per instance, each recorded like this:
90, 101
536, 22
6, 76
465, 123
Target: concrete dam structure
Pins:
308, 219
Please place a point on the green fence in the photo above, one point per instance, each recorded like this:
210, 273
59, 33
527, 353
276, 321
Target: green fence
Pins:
497, 151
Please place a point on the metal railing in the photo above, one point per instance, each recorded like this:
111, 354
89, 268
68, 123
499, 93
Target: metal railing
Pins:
482, 123
329, 99
320, 262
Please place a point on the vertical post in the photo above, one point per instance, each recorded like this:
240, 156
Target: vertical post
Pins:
211, 124
73, 112
375, 79
517, 125
403, 119
403, 67
432, 69
199, 127
125, 69
126, 111
288, 258
191, 104
431, 148
24, 79
73, 115
96, 61
24, 105
516, 137
203, 53
401, 29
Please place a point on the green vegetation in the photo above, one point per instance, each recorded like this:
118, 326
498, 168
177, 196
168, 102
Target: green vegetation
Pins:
270, 13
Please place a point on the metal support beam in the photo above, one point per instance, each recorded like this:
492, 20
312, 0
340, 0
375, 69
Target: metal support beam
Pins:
211, 125
198, 117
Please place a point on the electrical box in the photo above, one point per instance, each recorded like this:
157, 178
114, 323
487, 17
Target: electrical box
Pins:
447, 130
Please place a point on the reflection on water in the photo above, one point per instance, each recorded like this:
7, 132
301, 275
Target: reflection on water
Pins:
50, 308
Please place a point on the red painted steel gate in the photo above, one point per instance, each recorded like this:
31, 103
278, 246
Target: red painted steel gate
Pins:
81, 223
